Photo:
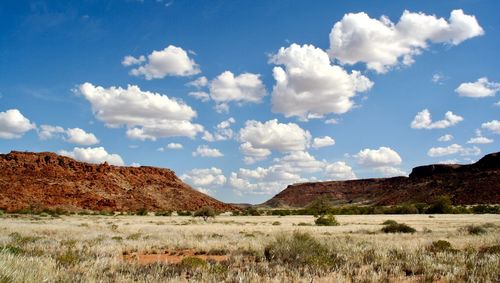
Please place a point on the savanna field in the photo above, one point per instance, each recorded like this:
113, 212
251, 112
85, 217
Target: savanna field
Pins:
124, 248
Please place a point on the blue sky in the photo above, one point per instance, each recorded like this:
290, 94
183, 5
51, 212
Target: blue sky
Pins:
242, 98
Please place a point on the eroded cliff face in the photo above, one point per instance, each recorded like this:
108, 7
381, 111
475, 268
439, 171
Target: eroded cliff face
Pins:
47, 180
477, 183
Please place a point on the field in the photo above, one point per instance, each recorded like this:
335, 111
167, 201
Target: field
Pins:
74, 248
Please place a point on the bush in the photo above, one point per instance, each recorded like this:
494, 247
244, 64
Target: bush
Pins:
441, 204
192, 262
142, 212
184, 213
276, 223
326, 220
475, 230
440, 246
163, 213
319, 206
298, 250
205, 212
389, 222
398, 228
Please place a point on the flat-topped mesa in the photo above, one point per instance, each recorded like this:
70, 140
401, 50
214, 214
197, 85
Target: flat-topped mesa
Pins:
477, 183
48, 180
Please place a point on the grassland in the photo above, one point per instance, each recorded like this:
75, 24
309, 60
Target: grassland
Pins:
74, 248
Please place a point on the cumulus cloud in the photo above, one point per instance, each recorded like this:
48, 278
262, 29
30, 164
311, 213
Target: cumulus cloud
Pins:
79, 136
480, 88
445, 138
339, 171
95, 155
493, 126
331, 121
479, 139
382, 44
309, 86
205, 151
46, 132
285, 171
383, 156
453, 149
146, 115
171, 61
227, 87
14, 125
199, 82
438, 78
205, 180
323, 142
259, 139
222, 131
131, 60
423, 120
172, 145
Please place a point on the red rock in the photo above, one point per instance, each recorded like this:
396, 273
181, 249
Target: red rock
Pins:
47, 180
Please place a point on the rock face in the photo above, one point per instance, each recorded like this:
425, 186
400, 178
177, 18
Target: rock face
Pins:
477, 183
47, 180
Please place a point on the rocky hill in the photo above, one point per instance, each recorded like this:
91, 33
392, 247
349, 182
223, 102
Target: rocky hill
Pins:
47, 180
477, 183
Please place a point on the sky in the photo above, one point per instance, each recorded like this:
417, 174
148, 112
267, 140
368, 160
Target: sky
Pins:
242, 98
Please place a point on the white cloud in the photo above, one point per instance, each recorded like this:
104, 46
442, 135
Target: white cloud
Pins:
147, 115
309, 85
71, 135
208, 177
323, 142
171, 61
382, 44
423, 120
339, 171
331, 121
222, 132
227, 87
14, 125
95, 155
390, 171
453, 149
481, 88
493, 126
285, 171
174, 145
200, 95
479, 139
131, 60
135, 164
259, 139
449, 161
205, 151
199, 82
445, 138
384, 156
438, 78
79, 136
46, 132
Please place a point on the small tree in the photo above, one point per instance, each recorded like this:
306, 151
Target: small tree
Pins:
205, 212
319, 206
441, 204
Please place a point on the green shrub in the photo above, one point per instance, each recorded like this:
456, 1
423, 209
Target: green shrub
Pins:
142, 212
441, 204
326, 220
298, 250
184, 213
276, 223
68, 258
490, 250
440, 246
475, 230
163, 213
205, 212
398, 228
389, 222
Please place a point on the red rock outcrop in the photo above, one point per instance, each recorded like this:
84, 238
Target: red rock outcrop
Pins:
47, 180
477, 183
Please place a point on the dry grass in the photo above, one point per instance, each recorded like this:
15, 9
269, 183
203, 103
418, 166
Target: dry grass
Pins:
91, 249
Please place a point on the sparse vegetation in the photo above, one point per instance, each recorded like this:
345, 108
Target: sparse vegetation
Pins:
475, 229
246, 249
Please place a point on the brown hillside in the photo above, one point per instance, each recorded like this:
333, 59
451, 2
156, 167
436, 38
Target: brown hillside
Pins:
47, 180
465, 184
